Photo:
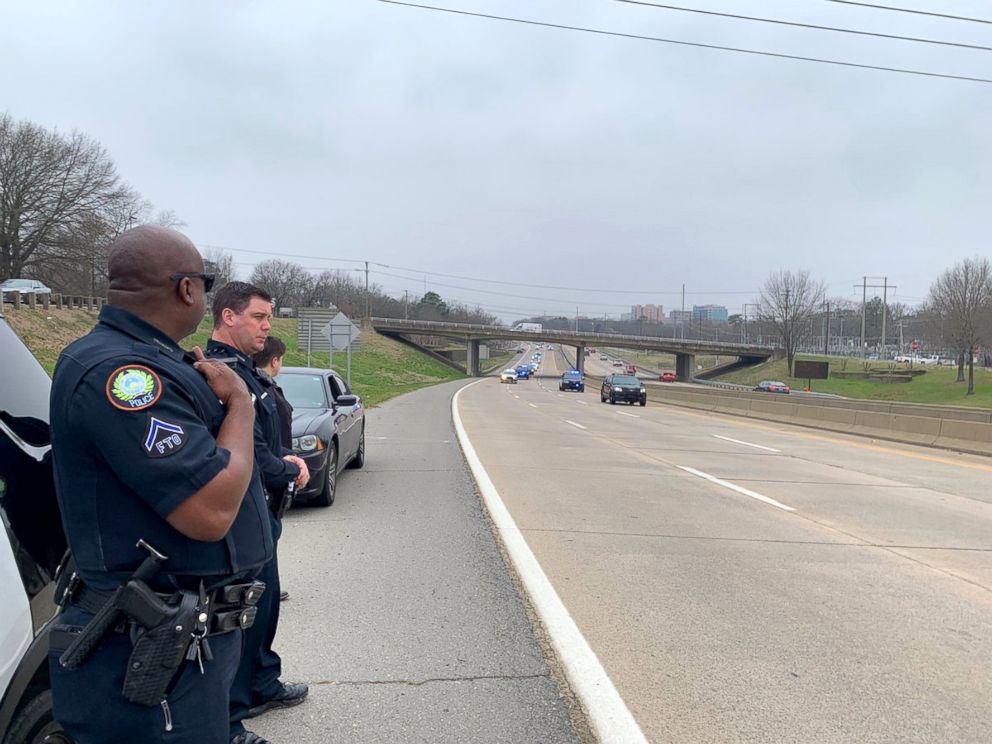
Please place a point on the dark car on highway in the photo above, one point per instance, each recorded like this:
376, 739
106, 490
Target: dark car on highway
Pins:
772, 386
524, 372
625, 388
572, 380
328, 428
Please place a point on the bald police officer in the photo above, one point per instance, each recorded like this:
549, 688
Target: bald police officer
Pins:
154, 444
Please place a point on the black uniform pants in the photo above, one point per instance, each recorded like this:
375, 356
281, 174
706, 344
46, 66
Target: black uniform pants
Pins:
257, 678
91, 708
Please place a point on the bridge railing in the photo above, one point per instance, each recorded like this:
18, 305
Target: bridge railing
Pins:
581, 336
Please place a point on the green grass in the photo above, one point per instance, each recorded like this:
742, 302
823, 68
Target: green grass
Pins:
381, 369
661, 361
938, 385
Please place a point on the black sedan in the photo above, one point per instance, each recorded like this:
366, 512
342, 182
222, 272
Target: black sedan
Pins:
328, 428
626, 388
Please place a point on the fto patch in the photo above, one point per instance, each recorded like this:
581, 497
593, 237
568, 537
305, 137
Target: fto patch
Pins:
133, 388
163, 438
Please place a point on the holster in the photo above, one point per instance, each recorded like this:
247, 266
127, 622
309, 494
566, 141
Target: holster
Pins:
159, 648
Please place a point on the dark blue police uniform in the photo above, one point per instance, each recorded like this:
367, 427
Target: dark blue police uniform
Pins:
134, 429
257, 679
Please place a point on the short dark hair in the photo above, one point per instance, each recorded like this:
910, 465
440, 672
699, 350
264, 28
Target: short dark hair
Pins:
273, 349
236, 296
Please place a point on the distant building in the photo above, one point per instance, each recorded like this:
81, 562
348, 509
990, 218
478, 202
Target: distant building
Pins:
651, 313
627, 316
680, 316
709, 313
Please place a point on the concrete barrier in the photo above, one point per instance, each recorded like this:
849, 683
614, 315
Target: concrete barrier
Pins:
877, 421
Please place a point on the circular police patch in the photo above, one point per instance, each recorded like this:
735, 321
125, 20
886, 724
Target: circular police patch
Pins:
133, 388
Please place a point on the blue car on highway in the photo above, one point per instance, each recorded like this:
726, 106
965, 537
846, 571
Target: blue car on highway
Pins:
523, 372
572, 380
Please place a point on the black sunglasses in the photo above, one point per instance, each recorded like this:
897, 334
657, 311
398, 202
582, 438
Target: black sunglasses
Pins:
208, 279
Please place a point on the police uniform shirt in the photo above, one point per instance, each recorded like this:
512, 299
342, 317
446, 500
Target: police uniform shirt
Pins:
269, 450
134, 429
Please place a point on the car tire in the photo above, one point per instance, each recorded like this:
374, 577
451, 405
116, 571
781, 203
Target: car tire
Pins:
644, 402
582, 388
329, 491
358, 461
35, 723
602, 397
613, 401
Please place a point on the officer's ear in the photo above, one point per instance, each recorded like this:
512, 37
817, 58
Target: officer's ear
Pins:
186, 291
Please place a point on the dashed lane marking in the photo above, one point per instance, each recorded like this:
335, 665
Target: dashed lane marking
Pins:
736, 488
746, 444
580, 426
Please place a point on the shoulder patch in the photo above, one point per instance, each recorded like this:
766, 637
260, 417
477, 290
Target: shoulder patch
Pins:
133, 387
163, 438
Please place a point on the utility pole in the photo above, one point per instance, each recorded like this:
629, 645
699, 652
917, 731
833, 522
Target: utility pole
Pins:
864, 302
406, 305
576, 320
682, 315
368, 300
885, 303
826, 335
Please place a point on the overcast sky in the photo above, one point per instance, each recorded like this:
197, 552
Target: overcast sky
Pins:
433, 142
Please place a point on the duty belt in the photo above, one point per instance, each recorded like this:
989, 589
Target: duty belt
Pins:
231, 607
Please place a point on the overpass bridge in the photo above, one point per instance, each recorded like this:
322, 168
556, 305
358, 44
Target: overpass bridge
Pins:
472, 335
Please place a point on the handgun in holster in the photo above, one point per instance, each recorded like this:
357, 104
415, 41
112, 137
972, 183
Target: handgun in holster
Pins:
281, 503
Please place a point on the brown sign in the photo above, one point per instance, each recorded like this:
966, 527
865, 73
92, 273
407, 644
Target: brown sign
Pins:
810, 370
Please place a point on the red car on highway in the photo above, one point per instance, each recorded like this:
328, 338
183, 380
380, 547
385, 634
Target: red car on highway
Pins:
668, 377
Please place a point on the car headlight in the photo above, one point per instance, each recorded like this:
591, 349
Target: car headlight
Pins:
308, 443
617, 389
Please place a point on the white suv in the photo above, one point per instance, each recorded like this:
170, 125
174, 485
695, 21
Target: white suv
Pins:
31, 545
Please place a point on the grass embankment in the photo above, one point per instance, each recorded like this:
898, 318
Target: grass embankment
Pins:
938, 385
381, 369
661, 361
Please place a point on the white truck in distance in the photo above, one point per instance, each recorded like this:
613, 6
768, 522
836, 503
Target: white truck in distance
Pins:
530, 327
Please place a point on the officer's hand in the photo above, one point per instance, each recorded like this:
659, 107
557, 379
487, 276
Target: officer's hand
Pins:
304, 477
221, 378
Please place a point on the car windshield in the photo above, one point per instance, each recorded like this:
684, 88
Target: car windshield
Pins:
303, 390
18, 284
626, 380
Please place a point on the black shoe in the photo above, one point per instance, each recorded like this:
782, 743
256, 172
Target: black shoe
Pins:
283, 595
247, 737
287, 697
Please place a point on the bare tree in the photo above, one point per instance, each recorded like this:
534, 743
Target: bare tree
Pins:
54, 191
221, 264
962, 298
789, 300
287, 282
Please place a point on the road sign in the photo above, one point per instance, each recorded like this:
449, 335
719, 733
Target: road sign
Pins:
915, 345
340, 332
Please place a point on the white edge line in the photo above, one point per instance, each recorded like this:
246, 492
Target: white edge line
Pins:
607, 713
746, 444
735, 487
624, 413
568, 421
532, 405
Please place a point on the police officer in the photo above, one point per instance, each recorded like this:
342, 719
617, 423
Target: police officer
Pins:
242, 314
155, 444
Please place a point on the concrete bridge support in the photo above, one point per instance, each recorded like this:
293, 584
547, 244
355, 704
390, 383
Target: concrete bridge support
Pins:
472, 359
580, 359
685, 365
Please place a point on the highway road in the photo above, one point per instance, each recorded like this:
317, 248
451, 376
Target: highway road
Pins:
751, 582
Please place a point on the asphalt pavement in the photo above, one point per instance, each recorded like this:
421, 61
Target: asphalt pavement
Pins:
403, 617
743, 581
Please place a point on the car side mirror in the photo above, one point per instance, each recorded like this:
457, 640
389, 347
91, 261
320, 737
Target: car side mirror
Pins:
346, 400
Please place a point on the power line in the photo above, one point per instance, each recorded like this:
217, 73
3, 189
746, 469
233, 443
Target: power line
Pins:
910, 10
814, 26
699, 45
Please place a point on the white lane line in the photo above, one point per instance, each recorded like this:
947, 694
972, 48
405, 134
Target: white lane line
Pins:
532, 405
516, 396
575, 424
581, 402
622, 413
738, 489
746, 444
608, 715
